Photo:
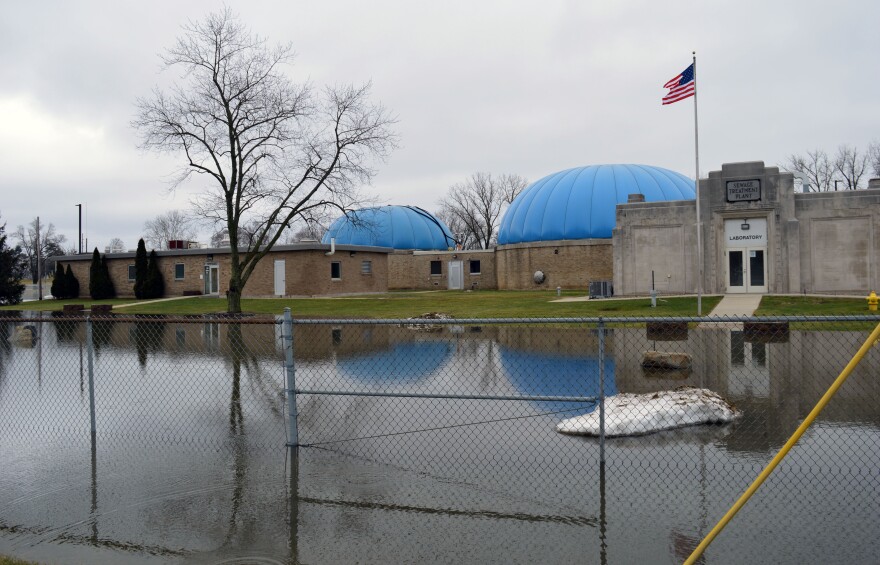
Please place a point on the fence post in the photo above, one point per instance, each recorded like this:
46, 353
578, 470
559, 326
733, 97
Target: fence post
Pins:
293, 434
89, 356
601, 332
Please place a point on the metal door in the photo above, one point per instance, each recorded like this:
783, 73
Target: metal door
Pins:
456, 276
280, 278
212, 279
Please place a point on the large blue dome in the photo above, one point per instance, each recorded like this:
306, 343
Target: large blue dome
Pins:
580, 203
398, 227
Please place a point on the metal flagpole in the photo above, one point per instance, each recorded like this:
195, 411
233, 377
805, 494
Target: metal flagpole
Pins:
697, 183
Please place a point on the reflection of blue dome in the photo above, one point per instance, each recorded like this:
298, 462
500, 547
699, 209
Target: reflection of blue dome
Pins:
542, 374
581, 203
399, 227
405, 362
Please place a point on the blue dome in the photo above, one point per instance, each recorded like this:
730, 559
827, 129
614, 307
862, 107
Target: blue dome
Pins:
580, 203
399, 227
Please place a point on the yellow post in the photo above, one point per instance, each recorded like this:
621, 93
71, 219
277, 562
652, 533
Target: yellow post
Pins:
872, 339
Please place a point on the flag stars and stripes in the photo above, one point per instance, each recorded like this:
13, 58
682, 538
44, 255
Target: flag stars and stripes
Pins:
681, 86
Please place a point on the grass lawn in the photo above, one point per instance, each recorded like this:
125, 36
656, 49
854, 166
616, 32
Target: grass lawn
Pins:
480, 304
812, 306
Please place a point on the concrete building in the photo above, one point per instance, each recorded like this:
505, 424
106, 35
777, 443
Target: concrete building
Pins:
633, 226
757, 236
559, 229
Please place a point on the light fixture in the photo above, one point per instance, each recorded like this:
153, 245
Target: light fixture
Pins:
744, 226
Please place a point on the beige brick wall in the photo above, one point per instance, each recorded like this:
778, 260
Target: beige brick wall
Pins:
566, 264
407, 270
307, 273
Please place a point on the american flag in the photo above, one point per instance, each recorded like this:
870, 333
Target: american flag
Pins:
680, 87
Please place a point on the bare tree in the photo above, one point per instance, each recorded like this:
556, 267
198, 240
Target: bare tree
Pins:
170, 226
51, 244
874, 157
463, 236
116, 246
475, 206
816, 166
851, 165
274, 150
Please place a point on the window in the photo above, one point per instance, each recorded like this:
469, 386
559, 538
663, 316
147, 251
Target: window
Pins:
436, 268
131, 273
366, 267
335, 270
475, 267
178, 271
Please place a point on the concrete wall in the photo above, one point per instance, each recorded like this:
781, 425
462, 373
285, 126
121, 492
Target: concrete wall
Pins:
838, 236
570, 264
412, 270
658, 237
815, 242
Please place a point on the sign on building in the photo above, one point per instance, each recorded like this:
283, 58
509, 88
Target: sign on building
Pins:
743, 190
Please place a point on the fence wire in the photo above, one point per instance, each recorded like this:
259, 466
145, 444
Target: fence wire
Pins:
477, 404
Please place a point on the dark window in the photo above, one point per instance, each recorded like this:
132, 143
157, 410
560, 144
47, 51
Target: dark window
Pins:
366, 267
436, 268
475, 267
131, 272
178, 271
335, 270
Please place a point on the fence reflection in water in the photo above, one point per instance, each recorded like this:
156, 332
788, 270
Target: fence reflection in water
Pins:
463, 413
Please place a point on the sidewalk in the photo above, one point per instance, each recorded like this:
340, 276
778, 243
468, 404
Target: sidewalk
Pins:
737, 305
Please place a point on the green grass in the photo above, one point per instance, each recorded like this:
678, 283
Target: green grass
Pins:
13, 561
812, 306
480, 304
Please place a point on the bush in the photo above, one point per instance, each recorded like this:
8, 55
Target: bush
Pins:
59, 283
100, 283
140, 269
12, 268
71, 284
154, 285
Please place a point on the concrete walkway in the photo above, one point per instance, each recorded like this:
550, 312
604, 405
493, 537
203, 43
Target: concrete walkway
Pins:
737, 305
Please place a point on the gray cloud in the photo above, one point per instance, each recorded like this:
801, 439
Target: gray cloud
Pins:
520, 87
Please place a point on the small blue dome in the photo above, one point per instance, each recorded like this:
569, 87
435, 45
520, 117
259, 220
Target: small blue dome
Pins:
398, 227
581, 203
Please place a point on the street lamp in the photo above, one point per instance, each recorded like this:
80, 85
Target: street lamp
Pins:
80, 206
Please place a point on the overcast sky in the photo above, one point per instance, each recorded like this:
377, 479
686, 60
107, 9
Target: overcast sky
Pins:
504, 87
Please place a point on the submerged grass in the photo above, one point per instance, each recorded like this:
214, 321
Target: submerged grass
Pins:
4, 560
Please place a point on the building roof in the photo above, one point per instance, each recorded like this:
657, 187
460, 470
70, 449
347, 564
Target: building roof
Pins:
398, 227
581, 203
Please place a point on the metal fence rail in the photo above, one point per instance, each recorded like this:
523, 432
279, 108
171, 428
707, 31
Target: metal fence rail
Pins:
477, 402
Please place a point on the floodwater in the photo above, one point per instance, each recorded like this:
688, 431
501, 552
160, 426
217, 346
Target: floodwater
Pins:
189, 463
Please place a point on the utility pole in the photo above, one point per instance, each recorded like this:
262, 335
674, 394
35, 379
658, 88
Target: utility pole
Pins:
39, 263
80, 240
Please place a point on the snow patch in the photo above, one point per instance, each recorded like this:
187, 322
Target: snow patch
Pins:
629, 414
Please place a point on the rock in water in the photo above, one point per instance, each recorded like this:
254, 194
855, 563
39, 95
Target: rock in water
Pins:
638, 414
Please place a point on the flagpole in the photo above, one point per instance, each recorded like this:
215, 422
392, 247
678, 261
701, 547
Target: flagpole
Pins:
697, 184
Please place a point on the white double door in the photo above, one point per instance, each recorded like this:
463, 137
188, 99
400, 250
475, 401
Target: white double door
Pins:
747, 270
746, 255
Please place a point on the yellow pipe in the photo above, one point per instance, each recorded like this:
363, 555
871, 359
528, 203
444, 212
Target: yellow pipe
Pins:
870, 342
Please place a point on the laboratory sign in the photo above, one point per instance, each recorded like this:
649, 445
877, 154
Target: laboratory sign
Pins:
743, 190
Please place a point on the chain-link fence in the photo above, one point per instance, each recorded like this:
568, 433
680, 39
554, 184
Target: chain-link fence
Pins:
474, 408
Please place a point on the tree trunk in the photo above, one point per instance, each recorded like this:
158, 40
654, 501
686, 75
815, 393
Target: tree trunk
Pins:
233, 295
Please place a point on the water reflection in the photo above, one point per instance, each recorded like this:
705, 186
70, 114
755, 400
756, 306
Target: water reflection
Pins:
406, 362
547, 374
481, 482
